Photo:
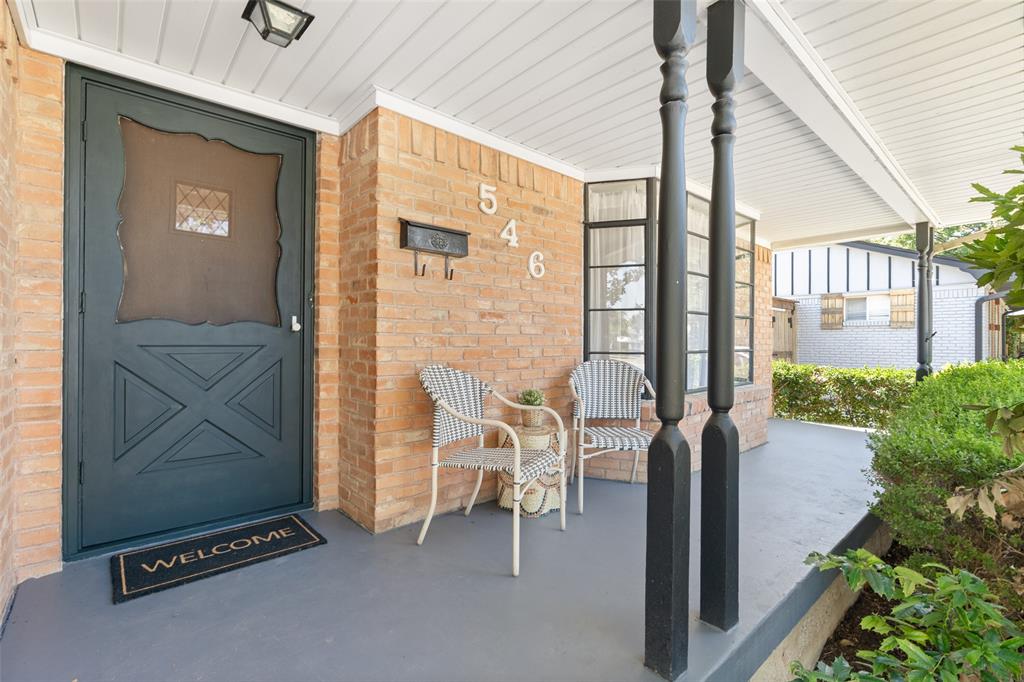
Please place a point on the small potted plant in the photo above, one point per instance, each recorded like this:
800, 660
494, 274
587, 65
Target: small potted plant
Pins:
532, 396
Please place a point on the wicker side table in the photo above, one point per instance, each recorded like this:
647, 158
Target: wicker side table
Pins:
543, 496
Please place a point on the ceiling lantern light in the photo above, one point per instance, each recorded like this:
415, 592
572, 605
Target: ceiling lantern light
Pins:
277, 22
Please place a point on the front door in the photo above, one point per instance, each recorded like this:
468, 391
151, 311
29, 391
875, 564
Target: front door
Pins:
191, 356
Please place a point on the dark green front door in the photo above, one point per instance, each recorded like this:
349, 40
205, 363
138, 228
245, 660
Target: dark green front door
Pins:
191, 349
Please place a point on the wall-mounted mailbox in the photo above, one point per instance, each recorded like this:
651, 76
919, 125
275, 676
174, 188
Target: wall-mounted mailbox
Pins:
443, 241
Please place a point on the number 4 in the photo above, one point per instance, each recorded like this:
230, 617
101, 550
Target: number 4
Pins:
508, 233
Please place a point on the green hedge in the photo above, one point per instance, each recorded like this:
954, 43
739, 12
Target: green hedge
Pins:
933, 445
838, 395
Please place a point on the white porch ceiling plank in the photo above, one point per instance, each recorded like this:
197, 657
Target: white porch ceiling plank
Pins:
57, 16
224, 32
909, 60
470, 38
862, 16
99, 22
442, 28
284, 70
475, 70
357, 25
143, 25
187, 26
379, 48
989, 86
579, 35
831, 116
883, 41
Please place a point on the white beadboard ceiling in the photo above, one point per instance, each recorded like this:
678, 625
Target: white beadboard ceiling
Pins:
574, 85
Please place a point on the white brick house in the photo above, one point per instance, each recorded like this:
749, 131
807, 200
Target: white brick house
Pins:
855, 306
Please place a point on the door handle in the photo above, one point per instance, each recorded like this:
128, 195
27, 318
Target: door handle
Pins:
296, 325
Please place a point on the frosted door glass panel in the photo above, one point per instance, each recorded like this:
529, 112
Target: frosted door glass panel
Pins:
617, 201
199, 230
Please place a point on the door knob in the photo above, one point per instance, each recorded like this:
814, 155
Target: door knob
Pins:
296, 325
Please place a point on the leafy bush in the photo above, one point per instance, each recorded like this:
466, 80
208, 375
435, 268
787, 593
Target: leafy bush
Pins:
937, 444
950, 628
838, 395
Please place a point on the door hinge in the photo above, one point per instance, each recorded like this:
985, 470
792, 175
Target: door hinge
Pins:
81, 472
81, 302
84, 128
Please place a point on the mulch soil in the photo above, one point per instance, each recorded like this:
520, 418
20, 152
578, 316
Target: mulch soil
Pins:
848, 638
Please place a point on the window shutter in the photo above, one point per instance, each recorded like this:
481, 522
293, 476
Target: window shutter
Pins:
831, 311
901, 308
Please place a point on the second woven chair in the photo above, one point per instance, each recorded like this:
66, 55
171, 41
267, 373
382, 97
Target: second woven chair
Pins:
607, 390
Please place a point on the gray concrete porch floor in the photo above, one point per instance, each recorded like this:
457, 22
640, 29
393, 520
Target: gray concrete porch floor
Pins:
366, 607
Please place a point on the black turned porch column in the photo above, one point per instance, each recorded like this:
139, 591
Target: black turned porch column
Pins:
667, 598
925, 247
720, 441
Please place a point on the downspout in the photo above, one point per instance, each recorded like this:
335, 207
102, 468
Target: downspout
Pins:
979, 324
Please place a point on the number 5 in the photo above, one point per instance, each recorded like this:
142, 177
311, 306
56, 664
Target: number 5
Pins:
488, 202
536, 265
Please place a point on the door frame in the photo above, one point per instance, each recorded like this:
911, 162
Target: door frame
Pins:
77, 80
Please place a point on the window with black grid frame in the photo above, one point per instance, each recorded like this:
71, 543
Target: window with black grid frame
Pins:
620, 248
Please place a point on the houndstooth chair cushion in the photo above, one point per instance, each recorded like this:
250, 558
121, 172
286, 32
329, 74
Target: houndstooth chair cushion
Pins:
463, 392
610, 389
532, 463
616, 438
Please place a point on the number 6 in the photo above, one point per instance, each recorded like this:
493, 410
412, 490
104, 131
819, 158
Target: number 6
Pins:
536, 265
488, 202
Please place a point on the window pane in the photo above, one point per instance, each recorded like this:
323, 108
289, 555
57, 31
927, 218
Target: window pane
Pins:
742, 367
744, 269
637, 360
617, 287
856, 309
697, 215
697, 254
743, 240
696, 332
697, 293
742, 330
617, 331
617, 245
743, 302
617, 200
878, 308
200, 229
696, 371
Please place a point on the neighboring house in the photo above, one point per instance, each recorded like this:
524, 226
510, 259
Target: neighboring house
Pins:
856, 306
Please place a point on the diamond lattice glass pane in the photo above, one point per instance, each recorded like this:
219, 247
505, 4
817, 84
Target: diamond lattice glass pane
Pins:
202, 210
199, 230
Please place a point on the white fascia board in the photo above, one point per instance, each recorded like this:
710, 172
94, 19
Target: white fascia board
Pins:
122, 65
785, 61
834, 237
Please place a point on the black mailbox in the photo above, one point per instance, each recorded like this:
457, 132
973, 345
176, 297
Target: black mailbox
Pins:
443, 241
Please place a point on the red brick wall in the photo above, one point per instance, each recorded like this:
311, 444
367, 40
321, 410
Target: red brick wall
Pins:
8, 106
492, 319
31, 229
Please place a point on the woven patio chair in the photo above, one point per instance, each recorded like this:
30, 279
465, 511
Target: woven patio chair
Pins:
613, 390
459, 414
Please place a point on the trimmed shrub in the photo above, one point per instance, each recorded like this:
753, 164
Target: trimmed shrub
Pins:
838, 395
935, 444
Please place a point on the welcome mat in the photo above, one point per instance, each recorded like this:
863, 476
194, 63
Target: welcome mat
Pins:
161, 567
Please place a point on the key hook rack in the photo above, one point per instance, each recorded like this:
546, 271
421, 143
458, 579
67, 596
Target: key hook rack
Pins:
440, 241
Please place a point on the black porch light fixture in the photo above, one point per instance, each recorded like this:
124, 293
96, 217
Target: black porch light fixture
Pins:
277, 22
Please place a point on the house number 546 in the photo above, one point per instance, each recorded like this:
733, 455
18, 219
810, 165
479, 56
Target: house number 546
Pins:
489, 205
